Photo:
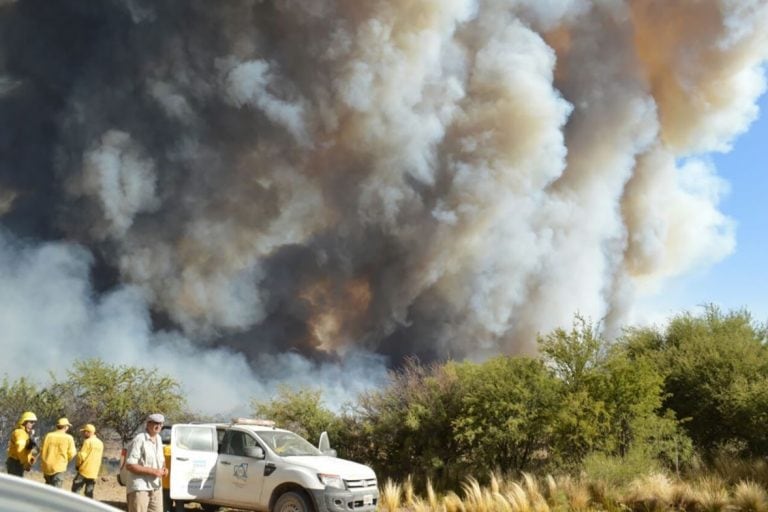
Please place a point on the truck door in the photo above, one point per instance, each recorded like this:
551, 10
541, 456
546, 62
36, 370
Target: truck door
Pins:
194, 449
240, 470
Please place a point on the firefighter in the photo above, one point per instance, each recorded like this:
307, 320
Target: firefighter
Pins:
22, 445
88, 461
58, 449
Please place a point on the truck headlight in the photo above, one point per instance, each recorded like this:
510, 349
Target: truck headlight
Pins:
331, 480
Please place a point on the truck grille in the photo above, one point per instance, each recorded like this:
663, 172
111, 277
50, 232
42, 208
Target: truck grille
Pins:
360, 484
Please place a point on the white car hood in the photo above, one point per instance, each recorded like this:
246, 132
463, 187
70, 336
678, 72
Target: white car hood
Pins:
347, 469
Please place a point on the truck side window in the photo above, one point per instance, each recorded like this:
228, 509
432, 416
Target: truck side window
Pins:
223, 441
235, 443
196, 439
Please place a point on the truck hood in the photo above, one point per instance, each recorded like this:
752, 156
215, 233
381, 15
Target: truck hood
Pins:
347, 469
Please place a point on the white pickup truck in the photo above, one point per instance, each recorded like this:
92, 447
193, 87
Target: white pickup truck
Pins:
251, 465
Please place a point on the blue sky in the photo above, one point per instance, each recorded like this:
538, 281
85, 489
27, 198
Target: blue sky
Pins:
740, 280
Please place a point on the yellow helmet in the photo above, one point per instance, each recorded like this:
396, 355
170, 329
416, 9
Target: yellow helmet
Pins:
27, 416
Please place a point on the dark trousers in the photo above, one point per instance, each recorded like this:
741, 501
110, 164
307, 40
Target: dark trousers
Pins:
170, 505
14, 467
81, 481
56, 479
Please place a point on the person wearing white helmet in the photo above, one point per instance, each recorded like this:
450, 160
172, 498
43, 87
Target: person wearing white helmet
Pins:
21, 445
58, 449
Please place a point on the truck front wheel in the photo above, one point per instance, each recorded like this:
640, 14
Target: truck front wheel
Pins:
291, 502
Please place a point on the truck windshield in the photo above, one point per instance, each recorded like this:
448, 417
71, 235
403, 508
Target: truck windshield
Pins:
287, 444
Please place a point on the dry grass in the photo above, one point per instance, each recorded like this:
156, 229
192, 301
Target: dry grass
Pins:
649, 493
712, 494
685, 497
408, 493
749, 497
452, 503
604, 496
655, 492
477, 499
431, 496
390, 496
576, 495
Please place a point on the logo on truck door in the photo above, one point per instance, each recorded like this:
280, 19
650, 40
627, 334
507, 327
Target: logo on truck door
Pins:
241, 471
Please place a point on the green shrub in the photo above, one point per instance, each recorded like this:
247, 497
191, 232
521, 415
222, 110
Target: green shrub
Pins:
619, 471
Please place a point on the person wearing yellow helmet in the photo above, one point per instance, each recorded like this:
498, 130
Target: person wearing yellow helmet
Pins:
22, 445
58, 450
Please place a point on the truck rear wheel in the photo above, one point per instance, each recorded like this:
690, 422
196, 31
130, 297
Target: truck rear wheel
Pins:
291, 501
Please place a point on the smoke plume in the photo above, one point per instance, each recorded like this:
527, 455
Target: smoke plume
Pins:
309, 191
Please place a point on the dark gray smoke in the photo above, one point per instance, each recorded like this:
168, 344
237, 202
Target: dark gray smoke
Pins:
317, 188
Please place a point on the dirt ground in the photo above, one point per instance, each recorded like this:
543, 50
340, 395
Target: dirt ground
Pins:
107, 490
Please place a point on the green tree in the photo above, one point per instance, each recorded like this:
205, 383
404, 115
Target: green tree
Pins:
505, 419
575, 358
573, 355
611, 398
119, 397
406, 427
715, 370
300, 411
23, 395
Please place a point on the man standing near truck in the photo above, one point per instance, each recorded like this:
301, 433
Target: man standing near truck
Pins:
88, 461
145, 463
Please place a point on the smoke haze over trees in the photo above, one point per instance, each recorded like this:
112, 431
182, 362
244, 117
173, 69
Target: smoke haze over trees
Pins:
319, 189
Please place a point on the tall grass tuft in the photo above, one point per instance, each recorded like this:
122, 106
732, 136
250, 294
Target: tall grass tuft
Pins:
431, 496
535, 497
649, 493
408, 493
604, 495
390, 496
500, 503
551, 492
419, 505
750, 497
576, 495
476, 499
452, 503
685, 498
518, 498
712, 494
495, 487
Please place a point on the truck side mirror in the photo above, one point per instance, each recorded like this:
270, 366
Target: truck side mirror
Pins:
254, 452
325, 445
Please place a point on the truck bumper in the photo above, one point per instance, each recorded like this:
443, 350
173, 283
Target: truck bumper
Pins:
337, 500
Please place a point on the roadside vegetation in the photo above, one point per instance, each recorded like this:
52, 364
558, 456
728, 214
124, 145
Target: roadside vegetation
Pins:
658, 419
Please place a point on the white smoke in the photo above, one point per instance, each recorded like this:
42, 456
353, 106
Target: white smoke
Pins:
122, 178
51, 317
339, 179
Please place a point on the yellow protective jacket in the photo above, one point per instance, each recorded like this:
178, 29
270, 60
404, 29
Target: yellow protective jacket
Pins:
18, 447
167, 477
88, 460
58, 449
